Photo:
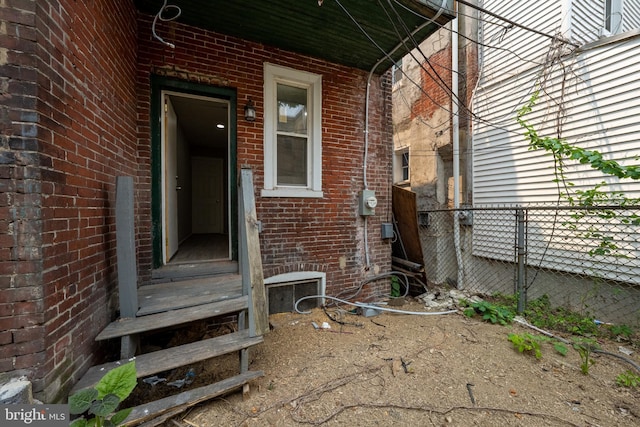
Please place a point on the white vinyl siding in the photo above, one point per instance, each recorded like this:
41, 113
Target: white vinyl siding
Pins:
630, 15
589, 18
602, 101
499, 60
602, 98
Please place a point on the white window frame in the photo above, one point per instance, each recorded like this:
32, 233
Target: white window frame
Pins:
274, 74
398, 167
613, 23
396, 74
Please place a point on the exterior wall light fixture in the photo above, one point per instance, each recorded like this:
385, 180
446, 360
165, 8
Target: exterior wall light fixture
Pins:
250, 111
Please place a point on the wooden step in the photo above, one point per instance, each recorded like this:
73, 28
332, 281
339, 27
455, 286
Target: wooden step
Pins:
171, 272
174, 357
131, 326
186, 399
188, 293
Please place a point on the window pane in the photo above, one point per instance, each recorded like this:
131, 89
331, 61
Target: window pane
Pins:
292, 109
405, 166
292, 160
396, 76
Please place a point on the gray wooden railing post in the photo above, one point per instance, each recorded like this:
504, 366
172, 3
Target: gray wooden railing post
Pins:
250, 256
126, 258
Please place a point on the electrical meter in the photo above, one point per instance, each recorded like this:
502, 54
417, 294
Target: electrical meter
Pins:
367, 203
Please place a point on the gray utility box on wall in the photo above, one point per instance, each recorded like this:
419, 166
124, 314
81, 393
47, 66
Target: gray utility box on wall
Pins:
367, 203
386, 230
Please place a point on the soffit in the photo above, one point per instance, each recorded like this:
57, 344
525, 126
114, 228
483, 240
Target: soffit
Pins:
323, 31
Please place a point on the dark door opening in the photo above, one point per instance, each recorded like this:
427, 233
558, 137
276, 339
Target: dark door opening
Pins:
195, 172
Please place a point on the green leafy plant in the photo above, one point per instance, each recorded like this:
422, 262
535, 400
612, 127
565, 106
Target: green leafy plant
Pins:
540, 313
562, 150
628, 379
531, 344
101, 402
621, 332
526, 342
395, 287
560, 348
490, 312
584, 347
593, 202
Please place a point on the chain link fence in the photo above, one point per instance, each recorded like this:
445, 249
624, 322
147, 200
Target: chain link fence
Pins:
584, 259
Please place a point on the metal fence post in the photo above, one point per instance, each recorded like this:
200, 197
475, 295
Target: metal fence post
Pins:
520, 288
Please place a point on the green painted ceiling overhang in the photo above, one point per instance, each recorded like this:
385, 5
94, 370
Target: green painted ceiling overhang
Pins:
326, 31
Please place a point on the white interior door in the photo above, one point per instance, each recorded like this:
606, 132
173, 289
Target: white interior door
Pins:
208, 195
170, 180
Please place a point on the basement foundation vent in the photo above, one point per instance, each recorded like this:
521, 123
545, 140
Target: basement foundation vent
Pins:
284, 290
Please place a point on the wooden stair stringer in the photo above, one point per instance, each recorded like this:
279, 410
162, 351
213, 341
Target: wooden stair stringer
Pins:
188, 398
163, 360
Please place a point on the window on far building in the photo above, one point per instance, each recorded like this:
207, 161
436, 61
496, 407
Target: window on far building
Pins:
613, 16
401, 166
405, 166
396, 75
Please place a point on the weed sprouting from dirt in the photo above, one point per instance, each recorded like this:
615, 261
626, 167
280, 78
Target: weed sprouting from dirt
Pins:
585, 347
628, 379
531, 343
490, 312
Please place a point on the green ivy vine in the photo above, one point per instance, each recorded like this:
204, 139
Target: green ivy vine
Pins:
605, 204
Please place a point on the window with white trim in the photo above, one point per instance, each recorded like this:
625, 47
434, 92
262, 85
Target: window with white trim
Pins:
401, 173
613, 16
396, 74
292, 133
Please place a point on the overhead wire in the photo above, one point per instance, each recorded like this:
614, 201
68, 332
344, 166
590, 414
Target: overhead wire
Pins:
416, 45
524, 27
443, 85
368, 36
422, 90
479, 19
536, 63
507, 116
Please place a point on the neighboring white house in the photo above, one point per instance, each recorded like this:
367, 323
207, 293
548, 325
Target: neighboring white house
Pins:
589, 88
589, 84
583, 56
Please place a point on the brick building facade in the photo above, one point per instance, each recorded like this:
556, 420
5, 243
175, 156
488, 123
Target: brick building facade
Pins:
76, 92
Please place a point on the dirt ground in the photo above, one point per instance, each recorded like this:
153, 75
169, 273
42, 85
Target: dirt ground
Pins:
459, 371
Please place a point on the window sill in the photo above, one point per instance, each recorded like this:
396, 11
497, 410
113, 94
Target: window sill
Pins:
291, 192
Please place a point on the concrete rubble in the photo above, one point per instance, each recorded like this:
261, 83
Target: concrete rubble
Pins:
439, 299
15, 390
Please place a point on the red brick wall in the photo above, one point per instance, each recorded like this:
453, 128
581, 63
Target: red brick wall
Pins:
437, 88
21, 333
299, 234
75, 115
71, 131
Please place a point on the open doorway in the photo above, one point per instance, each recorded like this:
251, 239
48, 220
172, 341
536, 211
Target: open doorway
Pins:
195, 158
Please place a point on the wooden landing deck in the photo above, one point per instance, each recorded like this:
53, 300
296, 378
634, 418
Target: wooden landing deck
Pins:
161, 297
182, 271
